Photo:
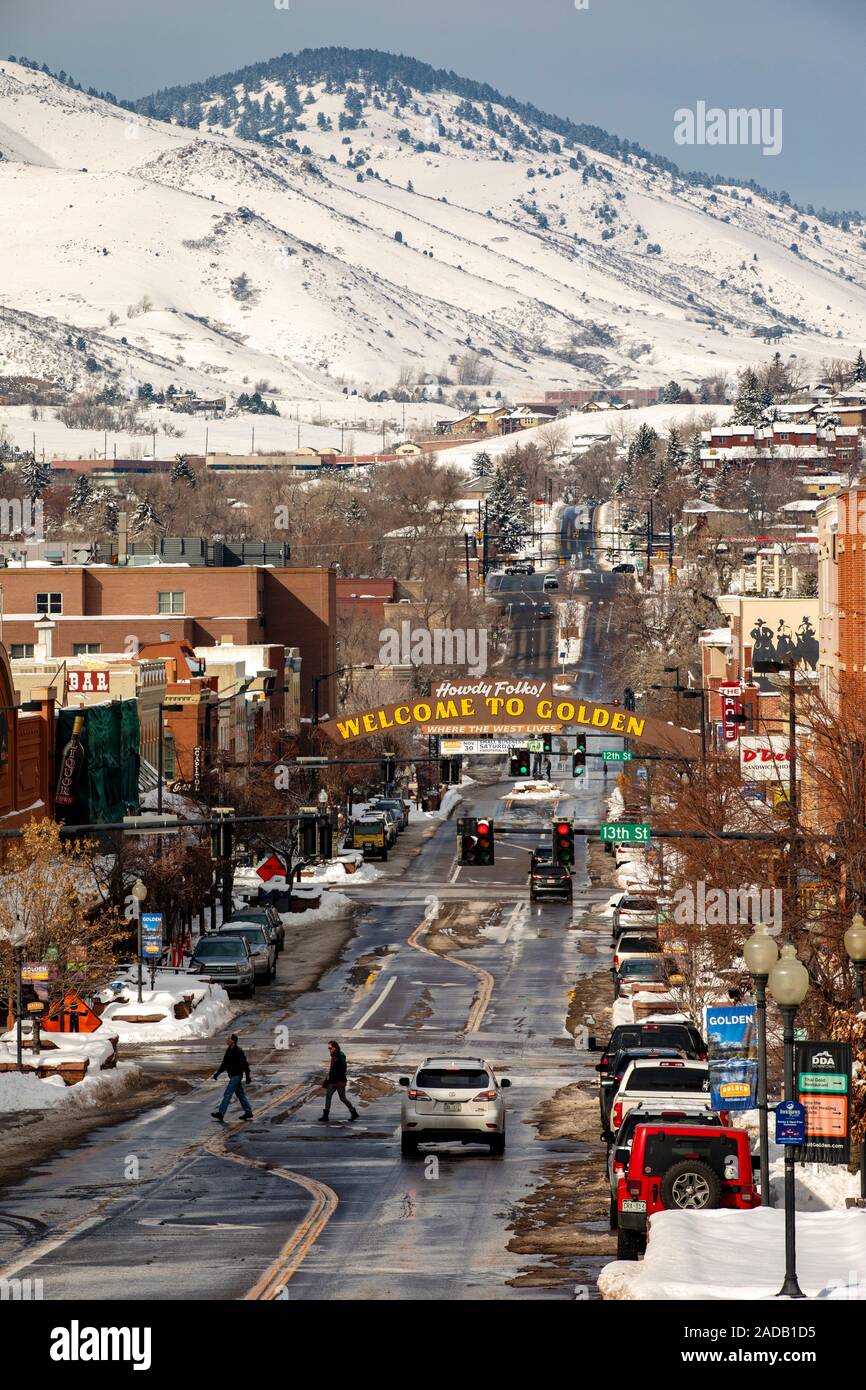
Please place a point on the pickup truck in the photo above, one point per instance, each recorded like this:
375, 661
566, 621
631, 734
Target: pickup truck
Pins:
370, 835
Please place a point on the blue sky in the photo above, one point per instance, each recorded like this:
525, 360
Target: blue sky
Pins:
626, 65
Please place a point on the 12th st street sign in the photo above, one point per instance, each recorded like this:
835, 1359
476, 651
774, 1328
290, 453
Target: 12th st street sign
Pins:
623, 833
616, 755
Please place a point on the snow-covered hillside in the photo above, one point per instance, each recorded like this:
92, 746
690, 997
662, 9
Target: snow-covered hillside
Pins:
364, 253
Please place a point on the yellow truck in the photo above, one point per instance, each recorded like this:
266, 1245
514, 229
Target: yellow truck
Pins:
369, 834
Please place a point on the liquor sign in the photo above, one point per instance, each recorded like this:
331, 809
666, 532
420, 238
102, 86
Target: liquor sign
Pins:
823, 1071
730, 697
71, 763
88, 682
151, 935
764, 757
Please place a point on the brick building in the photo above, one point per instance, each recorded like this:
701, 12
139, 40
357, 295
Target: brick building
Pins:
842, 593
26, 753
85, 610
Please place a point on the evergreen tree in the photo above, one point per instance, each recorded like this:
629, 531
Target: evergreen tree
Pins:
507, 506
859, 373
482, 463
672, 392
697, 476
82, 496
643, 447
356, 514
110, 512
675, 454
749, 405
35, 476
181, 469
144, 518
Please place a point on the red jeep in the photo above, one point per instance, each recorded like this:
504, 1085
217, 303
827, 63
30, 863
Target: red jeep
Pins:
681, 1167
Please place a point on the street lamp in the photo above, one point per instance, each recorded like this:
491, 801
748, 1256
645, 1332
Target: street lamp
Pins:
18, 936
317, 680
855, 945
139, 892
788, 983
760, 954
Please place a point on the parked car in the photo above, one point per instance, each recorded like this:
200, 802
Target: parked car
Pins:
619, 1149
453, 1099
268, 917
262, 949
520, 567
550, 582
636, 972
634, 943
391, 826
397, 808
681, 1167
661, 1033
226, 961
671, 1079
549, 880
609, 1084
634, 910
624, 569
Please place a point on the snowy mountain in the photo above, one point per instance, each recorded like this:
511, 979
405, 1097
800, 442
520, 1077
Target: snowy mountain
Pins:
349, 229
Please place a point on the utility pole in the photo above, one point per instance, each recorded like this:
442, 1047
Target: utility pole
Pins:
466, 545
793, 873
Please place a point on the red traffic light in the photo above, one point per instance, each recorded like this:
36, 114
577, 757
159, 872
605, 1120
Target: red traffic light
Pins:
563, 829
483, 828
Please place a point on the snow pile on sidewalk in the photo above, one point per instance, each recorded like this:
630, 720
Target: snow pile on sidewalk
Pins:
331, 905
339, 871
209, 1005
702, 1255
26, 1091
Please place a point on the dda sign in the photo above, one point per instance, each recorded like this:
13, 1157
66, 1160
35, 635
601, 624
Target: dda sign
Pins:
624, 834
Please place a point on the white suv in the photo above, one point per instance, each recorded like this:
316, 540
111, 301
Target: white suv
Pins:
453, 1098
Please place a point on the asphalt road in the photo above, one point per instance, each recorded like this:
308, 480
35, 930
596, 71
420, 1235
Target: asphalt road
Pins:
445, 960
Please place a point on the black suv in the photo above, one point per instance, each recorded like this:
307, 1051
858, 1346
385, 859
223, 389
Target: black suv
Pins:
548, 880
682, 1035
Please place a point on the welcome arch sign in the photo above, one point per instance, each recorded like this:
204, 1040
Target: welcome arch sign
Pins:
510, 705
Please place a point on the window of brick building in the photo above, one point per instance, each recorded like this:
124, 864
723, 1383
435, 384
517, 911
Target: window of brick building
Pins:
49, 603
21, 650
172, 601
86, 648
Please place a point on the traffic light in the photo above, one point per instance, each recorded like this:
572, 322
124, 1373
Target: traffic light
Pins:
578, 757
450, 771
628, 697
546, 743
484, 852
307, 831
518, 760
222, 833
475, 841
563, 841
389, 769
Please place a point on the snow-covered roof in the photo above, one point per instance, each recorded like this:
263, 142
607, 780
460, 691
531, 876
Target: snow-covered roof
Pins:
716, 637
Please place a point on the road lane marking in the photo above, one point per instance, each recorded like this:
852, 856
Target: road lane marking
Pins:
375, 1005
484, 994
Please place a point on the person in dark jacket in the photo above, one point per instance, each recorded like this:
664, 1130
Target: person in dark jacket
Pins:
237, 1069
336, 1081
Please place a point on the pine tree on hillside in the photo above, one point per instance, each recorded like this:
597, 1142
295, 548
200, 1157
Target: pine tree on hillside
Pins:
749, 405
697, 476
482, 463
859, 373
356, 514
35, 476
110, 513
181, 470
